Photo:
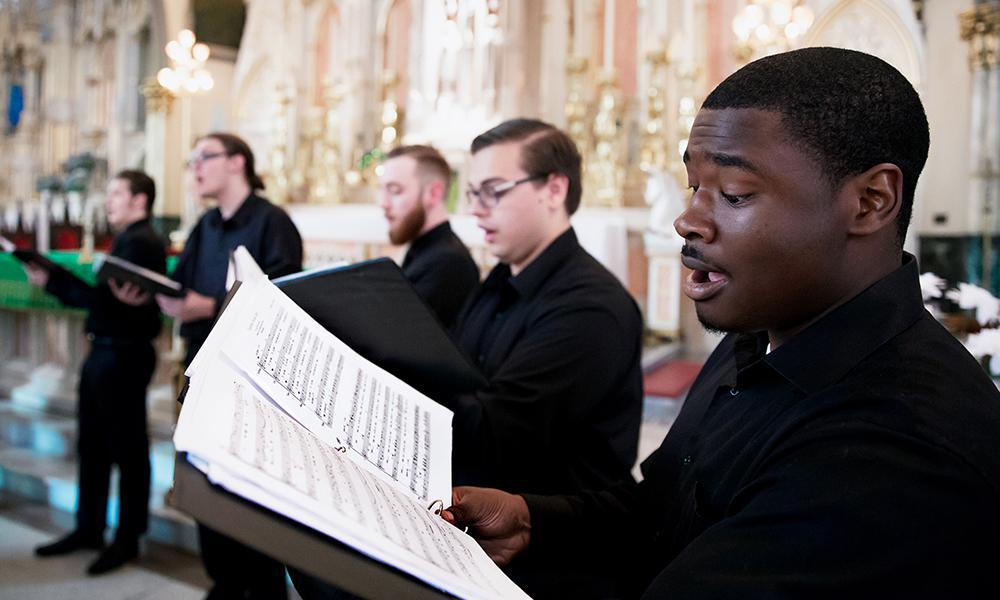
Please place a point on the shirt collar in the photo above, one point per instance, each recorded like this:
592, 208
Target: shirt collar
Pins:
825, 351
530, 280
428, 239
242, 215
135, 225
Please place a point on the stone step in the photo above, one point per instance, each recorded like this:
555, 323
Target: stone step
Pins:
51, 431
52, 480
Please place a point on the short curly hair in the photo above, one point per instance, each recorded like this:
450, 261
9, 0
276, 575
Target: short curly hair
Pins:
849, 109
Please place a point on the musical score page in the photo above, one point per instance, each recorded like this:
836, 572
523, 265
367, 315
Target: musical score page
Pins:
253, 448
387, 426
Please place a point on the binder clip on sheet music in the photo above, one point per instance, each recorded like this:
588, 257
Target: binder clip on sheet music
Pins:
283, 413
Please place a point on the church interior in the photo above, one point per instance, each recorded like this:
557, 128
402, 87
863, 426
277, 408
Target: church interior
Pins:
323, 90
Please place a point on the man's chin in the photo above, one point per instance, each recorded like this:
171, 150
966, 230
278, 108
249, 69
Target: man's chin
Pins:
711, 325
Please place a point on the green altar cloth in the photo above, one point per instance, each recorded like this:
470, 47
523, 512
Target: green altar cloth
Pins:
17, 294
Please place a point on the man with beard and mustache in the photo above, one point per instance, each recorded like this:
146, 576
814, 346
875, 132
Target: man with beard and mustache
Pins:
839, 442
413, 189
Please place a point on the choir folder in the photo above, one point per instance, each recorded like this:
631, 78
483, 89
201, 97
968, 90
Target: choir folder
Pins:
147, 280
374, 308
297, 441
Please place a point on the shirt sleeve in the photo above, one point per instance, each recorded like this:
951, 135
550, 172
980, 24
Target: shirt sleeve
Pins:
69, 289
854, 512
563, 366
145, 252
282, 251
446, 285
182, 270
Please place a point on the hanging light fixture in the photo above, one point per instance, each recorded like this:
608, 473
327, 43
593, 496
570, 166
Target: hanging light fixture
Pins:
766, 27
187, 74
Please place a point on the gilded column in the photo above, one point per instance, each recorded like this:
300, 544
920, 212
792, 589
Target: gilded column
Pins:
158, 100
981, 28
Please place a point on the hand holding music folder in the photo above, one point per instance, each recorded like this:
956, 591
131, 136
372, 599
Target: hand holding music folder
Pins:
27, 256
145, 279
282, 413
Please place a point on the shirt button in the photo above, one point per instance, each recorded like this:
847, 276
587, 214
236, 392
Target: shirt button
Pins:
734, 391
686, 460
482, 358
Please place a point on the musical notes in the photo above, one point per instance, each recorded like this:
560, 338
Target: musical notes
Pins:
394, 430
254, 447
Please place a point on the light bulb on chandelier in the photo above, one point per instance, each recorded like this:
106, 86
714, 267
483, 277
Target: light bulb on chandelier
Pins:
766, 27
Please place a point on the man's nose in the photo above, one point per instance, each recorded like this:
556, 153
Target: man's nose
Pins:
696, 220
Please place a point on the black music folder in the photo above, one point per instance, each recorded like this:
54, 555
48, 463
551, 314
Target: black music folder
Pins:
33, 257
147, 280
290, 542
372, 307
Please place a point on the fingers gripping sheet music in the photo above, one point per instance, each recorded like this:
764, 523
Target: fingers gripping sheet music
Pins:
282, 412
255, 449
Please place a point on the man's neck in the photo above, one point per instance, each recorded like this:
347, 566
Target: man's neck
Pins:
131, 221
232, 198
432, 222
876, 267
521, 265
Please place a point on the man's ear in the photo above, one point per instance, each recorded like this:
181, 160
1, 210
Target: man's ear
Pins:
138, 201
557, 186
237, 163
877, 197
434, 194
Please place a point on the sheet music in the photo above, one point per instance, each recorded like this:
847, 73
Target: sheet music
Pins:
389, 427
253, 448
242, 267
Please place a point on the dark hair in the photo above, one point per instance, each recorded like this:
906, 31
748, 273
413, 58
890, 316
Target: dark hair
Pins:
849, 109
429, 161
546, 150
234, 145
139, 183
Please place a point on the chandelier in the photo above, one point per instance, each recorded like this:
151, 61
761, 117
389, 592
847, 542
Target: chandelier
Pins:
766, 27
187, 75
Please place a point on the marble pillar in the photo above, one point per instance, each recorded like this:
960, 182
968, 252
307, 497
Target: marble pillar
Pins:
980, 27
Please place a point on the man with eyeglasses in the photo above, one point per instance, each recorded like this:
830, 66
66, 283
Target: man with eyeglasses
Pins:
413, 190
222, 165
555, 333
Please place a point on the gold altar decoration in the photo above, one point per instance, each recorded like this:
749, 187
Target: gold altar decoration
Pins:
980, 27
158, 98
653, 149
324, 174
277, 178
687, 107
605, 173
576, 104
391, 114
766, 27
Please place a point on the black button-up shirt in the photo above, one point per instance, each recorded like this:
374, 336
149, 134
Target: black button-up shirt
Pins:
441, 270
560, 346
861, 458
107, 317
265, 230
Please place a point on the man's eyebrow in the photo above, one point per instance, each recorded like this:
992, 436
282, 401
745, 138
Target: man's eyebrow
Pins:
727, 160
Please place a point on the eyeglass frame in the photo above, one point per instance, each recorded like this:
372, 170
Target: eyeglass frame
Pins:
474, 196
191, 162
